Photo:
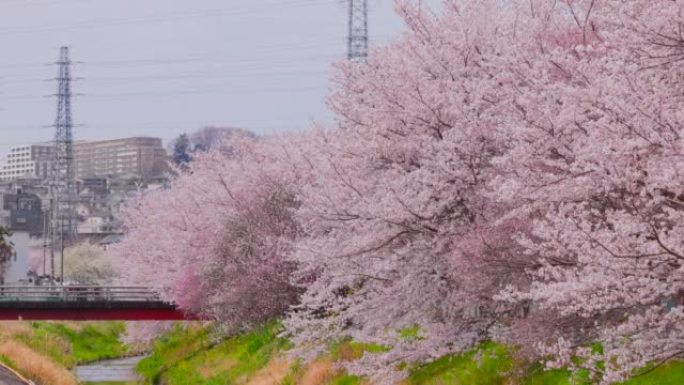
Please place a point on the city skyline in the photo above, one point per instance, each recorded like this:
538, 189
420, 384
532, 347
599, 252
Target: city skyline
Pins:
138, 156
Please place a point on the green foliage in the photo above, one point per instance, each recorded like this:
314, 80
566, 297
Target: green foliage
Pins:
493, 364
597, 348
346, 379
70, 346
410, 334
536, 375
348, 350
7, 361
489, 364
181, 148
189, 357
111, 383
173, 347
669, 374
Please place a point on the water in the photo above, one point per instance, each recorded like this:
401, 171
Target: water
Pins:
110, 370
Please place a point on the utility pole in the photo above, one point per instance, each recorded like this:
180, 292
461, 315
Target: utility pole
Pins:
62, 184
357, 48
45, 238
61, 255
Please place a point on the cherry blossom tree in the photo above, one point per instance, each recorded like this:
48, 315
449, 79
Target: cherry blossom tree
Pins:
551, 120
504, 170
88, 264
216, 240
595, 155
141, 334
397, 223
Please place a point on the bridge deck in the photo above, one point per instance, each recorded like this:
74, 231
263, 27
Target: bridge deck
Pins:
80, 303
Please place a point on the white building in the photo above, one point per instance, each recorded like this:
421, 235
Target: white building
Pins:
28, 160
99, 224
138, 157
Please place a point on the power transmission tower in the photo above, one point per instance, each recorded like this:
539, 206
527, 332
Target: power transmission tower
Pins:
62, 183
358, 30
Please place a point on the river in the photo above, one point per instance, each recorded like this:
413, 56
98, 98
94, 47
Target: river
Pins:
110, 370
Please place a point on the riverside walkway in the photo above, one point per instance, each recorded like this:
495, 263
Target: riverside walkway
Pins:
86, 303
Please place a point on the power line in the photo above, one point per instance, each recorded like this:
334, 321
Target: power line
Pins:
206, 13
24, 3
242, 75
258, 74
161, 125
272, 60
273, 63
185, 92
153, 124
203, 60
252, 64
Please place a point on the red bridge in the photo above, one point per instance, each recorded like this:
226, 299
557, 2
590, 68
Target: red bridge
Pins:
86, 303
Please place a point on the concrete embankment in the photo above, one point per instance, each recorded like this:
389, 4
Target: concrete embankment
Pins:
122, 370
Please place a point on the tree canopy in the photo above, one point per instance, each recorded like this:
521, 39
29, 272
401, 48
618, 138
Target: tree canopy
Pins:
505, 170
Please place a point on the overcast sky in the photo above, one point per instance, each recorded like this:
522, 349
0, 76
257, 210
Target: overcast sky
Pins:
163, 67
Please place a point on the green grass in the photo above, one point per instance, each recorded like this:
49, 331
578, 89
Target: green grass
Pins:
493, 364
346, 379
70, 346
348, 350
5, 360
190, 357
669, 374
536, 375
111, 383
172, 348
411, 333
490, 364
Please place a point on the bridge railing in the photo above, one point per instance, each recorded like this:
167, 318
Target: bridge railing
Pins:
78, 293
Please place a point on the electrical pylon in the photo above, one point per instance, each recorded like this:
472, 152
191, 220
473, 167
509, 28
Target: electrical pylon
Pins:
358, 30
62, 183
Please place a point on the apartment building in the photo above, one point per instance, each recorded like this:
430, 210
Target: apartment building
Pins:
22, 211
139, 157
31, 160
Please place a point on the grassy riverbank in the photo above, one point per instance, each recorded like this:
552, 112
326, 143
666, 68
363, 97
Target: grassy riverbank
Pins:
195, 355
192, 356
494, 364
46, 351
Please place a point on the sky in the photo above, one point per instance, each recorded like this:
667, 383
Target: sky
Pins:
164, 67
